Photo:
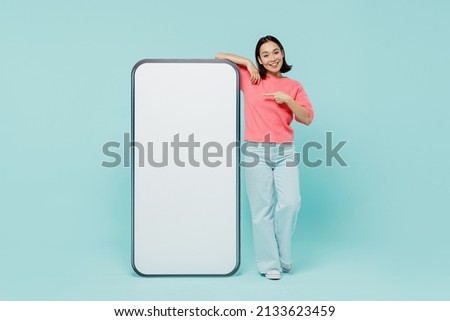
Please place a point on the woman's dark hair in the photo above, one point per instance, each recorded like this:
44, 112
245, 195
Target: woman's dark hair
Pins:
262, 71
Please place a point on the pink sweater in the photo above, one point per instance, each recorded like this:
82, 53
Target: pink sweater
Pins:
263, 115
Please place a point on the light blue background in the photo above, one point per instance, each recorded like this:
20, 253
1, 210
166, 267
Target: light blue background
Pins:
376, 72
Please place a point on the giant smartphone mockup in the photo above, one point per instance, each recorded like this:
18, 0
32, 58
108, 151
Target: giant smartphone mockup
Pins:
185, 167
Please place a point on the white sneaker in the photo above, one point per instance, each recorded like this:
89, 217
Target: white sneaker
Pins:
286, 267
273, 275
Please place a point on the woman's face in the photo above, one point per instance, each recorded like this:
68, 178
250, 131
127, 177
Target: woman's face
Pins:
271, 57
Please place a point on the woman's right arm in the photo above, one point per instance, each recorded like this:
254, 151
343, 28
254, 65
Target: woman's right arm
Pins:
254, 73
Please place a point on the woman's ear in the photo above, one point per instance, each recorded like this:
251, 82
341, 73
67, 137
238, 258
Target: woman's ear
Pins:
259, 60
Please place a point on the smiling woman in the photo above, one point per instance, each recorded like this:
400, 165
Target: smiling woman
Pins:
272, 101
269, 53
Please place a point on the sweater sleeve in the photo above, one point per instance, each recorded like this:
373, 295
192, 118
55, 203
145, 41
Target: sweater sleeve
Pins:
302, 99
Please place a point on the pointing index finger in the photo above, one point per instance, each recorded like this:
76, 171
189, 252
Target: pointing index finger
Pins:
268, 94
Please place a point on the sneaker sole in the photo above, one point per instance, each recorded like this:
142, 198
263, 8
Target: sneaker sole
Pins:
273, 276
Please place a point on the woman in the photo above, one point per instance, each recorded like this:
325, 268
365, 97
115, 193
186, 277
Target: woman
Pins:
271, 101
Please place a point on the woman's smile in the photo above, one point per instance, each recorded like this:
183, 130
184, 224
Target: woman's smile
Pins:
274, 64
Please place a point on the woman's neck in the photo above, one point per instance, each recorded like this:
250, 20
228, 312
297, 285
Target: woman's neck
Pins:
276, 75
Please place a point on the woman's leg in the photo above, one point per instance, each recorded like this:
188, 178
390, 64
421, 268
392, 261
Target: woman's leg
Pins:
260, 191
287, 185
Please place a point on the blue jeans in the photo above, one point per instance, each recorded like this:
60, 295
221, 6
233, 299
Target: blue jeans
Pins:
273, 189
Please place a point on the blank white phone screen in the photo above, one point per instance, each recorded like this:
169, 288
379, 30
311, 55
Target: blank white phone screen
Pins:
185, 167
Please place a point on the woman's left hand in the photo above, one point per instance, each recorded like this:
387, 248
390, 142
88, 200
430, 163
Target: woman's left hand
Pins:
279, 97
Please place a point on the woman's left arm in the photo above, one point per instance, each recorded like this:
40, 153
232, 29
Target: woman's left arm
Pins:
301, 112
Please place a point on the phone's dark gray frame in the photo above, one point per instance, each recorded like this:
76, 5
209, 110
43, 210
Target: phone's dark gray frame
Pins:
238, 153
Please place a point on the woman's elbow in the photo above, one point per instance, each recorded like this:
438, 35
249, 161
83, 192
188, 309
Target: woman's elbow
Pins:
309, 118
307, 121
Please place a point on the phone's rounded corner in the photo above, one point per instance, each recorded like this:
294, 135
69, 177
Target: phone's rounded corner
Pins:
136, 269
234, 269
137, 65
235, 69
229, 63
